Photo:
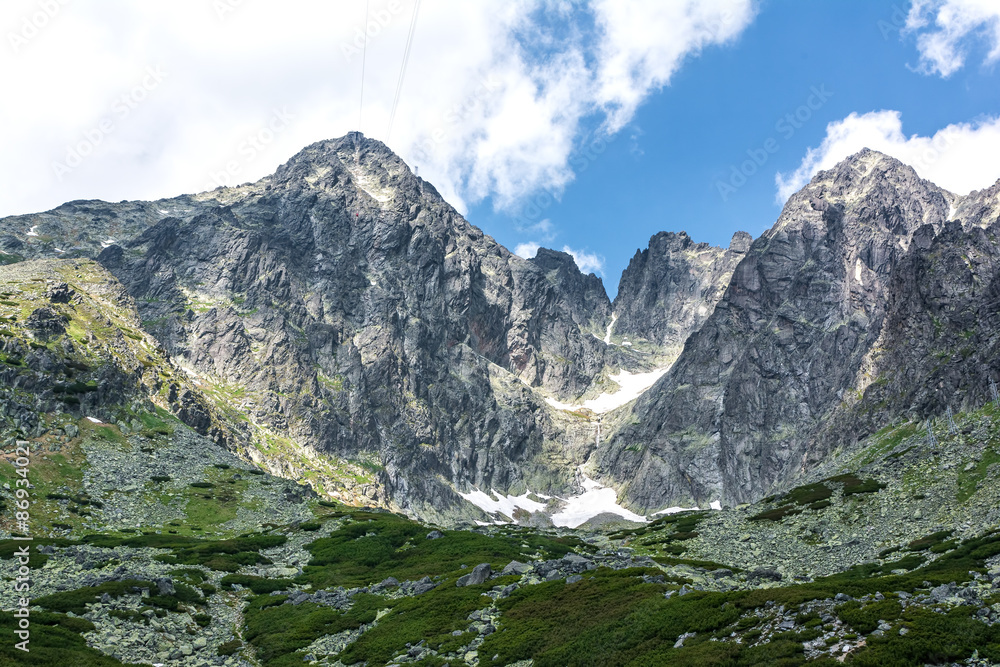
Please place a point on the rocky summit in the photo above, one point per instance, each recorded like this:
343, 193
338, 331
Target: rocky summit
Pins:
323, 419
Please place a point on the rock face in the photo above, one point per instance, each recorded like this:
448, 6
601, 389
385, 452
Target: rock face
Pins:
790, 340
671, 288
941, 336
345, 308
341, 313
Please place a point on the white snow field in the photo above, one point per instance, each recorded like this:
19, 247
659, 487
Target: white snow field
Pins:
631, 386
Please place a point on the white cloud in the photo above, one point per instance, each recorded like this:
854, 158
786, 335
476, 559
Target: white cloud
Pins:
961, 157
492, 102
946, 28
646, 41
526, 250
586, 262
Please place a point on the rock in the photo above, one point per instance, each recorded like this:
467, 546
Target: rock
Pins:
764, 573
164, 586
573, 579
46, 323
516, 567
829, 231
59, 293
426, 584
943, 592
435, 535
479, 574
842, 597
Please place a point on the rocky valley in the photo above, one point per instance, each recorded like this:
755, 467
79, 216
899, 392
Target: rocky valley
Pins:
323, 419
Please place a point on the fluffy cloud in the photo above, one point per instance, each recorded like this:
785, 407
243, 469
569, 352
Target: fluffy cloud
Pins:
526, 250
646, 41
492, 102
586, 262
946, 28
961, 157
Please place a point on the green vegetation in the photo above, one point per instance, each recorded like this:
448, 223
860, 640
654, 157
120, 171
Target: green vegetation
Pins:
816, 496
968, 480
259, 585
431, 617
224, 555
373, 546
278, 630
615, 618
77, 601
55, 642
664, 537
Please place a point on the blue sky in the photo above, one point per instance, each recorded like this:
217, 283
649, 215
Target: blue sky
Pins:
662, 171
586, 126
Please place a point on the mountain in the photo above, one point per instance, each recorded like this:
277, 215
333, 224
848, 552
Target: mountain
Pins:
824, 335
669, 289
210, 404
340, 307
339, 322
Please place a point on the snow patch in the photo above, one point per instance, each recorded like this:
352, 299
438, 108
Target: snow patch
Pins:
607, 334
501, 503
631, 386
108, 243
32, 232
857, 271
714, 505
95, 420
595, 499
674, 510
952, 210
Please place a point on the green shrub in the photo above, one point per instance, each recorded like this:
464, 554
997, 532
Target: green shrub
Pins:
259, 585
230, 647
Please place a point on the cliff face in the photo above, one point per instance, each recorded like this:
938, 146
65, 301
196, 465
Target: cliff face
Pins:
671, 288
343, 306
740, 409
339, 321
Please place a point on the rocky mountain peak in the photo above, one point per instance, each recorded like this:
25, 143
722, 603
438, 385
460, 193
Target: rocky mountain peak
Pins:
672, 286
740, 243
